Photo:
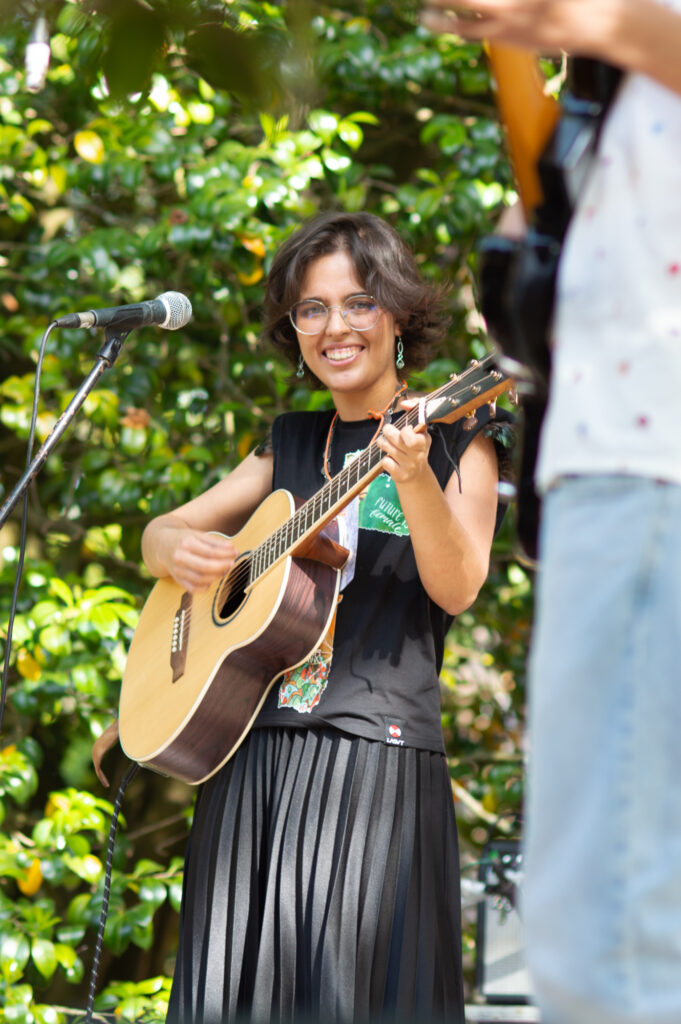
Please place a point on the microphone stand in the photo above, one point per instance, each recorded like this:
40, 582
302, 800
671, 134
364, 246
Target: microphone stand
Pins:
107, 355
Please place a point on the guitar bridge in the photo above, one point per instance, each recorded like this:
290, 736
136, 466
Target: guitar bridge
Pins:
180, 637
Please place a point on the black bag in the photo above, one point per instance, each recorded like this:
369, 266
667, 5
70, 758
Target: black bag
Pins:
518, 276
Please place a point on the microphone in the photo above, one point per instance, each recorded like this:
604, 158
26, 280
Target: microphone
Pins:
170, 310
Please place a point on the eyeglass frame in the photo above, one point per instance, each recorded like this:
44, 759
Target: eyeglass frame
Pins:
359, 295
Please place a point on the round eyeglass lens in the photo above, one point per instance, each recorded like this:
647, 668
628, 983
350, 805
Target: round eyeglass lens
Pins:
309, 316
360, 312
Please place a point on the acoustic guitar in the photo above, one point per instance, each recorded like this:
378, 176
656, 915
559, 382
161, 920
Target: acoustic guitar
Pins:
201, 665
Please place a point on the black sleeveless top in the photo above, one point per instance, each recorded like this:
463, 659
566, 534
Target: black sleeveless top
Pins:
377, 675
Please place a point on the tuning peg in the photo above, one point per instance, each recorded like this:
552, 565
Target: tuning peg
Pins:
470, 421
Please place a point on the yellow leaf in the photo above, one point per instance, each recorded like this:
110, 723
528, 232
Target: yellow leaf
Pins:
59, 177
244, 445
254, 245
252, 278
89, 146
32, 880
490, 801
56, 802
27, 666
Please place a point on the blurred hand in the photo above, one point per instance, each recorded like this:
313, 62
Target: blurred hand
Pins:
578, 26
197, 559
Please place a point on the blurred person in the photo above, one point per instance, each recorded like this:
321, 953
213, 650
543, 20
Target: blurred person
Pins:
602, 901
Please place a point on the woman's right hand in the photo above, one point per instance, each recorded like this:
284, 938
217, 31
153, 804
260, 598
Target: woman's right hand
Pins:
198, 558
181, 543
194, 558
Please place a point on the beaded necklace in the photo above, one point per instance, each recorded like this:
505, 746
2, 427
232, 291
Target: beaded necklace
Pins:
380, 416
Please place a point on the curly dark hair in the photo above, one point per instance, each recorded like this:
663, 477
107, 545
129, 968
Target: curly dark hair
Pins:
385, 267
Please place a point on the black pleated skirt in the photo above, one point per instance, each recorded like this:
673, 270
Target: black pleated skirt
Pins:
321, 884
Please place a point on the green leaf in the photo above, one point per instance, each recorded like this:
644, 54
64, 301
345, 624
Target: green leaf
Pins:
15, 951
65, 955
56, 640
350, 133
88, 868
44, 956
104, 620
69, 936
153, 893
62, 590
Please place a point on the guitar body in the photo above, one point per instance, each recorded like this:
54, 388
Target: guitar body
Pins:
200, 666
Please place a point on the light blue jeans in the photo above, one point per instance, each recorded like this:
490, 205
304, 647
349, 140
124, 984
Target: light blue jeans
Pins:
602, 901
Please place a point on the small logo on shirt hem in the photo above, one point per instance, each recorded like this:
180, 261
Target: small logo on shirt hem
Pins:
394, 731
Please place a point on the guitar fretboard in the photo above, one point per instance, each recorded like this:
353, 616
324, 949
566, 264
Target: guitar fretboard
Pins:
323, 506
319, 509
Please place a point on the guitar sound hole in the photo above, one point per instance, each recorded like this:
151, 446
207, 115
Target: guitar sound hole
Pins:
232, 594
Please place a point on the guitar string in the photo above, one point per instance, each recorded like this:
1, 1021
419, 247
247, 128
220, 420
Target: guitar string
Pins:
321, 502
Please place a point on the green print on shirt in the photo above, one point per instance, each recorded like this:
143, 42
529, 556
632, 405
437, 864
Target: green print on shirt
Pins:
380, 509
379, 506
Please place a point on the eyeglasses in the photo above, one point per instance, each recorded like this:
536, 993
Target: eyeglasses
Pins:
310, 316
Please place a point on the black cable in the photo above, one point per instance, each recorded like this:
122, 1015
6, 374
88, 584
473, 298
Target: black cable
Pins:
24, 520
106, 892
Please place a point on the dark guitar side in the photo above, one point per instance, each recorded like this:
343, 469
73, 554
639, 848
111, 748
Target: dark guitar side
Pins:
244, 678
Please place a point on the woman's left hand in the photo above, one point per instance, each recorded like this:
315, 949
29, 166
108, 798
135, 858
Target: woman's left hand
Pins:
406, 452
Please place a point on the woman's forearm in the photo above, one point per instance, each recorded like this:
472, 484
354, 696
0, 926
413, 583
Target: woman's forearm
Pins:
642, 36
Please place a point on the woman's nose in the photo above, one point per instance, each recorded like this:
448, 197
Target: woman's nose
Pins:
337, 321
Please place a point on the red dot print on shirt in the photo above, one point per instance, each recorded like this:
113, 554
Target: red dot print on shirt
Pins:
674, 268
642, 422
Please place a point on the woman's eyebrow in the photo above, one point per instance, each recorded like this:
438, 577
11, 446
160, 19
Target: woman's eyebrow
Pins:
350, 295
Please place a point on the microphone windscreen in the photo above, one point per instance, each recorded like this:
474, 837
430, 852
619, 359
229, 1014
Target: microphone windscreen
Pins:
178, 309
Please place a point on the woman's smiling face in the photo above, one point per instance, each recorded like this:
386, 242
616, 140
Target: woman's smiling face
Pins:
358, 367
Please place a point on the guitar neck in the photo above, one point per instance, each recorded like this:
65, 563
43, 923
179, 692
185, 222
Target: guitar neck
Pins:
459, 397
528, 114
318, 510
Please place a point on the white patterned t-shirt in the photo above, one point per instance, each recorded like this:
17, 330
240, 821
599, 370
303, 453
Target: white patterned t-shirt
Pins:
616, 379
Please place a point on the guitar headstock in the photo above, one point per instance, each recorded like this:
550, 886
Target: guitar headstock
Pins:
481, 382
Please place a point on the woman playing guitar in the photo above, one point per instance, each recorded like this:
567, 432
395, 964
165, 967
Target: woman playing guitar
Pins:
322, 872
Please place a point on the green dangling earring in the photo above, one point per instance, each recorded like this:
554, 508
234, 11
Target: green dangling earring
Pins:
300, 372
399, 353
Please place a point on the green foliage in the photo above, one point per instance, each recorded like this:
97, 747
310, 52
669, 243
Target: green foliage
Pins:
136, 1001
175, 145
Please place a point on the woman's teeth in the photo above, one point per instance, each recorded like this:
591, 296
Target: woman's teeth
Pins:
337, 355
